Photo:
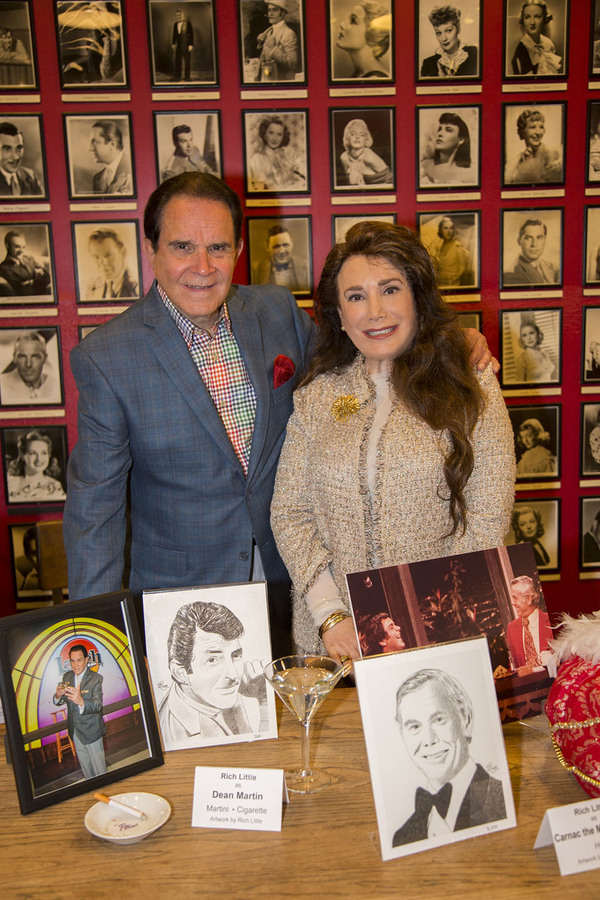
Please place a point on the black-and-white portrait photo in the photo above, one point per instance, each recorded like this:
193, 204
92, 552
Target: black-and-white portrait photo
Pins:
534, 143
35, 464
182, 42
207, 648
537, 441
187, 142
91, 43
22, 171
591, 262
537, 522
593, 147
272, 38
276, 151
17, 55
26, 264
361, 40
448, 142
341, 224
436, 755
448, 39
452, 240
30, 370
531, 247
24, 567
589, 531
107, 261
280, 252
590, 439
530, 346
590, 340
99, 156
363, 149
535, 39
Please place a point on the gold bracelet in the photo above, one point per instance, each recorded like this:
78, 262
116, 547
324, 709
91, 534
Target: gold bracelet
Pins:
334, 619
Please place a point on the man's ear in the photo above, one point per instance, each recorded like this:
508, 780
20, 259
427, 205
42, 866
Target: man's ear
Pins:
148, 251
178, 673
239, 249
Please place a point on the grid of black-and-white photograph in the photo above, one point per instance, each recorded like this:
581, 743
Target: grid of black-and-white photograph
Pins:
361, 41
107, 261
280, 252
452, 240
30, 368
27, 264
99, 156
187, 142
448, 147
17, 47
589, 532
91, 44
532, 248
276, 151
273, 42
537, 441
362, 147
537, 522
182, 43
530, 341
35, 464
535, 39
448, 40
534, 143
22, 166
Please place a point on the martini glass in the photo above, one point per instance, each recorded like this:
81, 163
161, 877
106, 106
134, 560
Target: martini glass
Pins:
303, 682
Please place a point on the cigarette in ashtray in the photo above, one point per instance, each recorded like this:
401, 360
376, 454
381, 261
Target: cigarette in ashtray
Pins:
122, 806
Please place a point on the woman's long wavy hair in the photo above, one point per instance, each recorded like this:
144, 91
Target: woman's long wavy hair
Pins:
434, 377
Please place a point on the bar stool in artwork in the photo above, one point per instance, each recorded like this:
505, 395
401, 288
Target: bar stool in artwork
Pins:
63, 740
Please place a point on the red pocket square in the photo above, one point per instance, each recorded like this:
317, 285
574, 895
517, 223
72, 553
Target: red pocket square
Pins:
283, 369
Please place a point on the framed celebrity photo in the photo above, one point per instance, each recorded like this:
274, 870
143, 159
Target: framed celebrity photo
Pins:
361, 41
530, 342
35, 464
183, 49
363, 152
280, 252
448, 142
448, 40
589, 532
276, 151
591, 253
452, 239
590, 339
91, 44
593, 142
537, 522
342, 224
272, 42
532, 248
534, 143
76, 697
17, 47
187, 142
536, 39
27, 266
26, 583
537, 441
595, 39
107, 261
99, 156
30, 367
22, 173
590, 440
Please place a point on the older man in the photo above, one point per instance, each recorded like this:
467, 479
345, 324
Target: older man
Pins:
530, 268
15, 178
528, 634
278, 45
435, 716
27, 380
106, 146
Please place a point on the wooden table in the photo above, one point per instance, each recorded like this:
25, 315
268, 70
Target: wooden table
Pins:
327, 848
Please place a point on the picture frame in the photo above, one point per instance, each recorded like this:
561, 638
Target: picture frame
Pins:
27, 270
30, 367
35, 465
363, 155
533, 140
22, 136
591, 247
453, 240
272, 44
280, 252
361, 47
470, 319
188, 142
91, 44
532, 248
221, 696
521, 58
28, 593
341, 224
18, 69
35, 652
172, 62
107, 261
99, 153
285, 134
537, 522
403, 696
84, 330
530, 347
593, 142
589, 521
455, 161
594, 70
537, 434
590, 440
448, 41
590, 349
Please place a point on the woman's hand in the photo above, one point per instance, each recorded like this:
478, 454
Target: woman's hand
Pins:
341, 641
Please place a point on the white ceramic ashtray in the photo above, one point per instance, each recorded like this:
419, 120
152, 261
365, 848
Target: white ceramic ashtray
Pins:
112, 824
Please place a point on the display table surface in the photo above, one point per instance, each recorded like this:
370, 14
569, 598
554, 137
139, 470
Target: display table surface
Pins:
328, 845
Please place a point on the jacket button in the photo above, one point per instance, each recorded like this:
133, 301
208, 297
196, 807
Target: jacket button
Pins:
244, 555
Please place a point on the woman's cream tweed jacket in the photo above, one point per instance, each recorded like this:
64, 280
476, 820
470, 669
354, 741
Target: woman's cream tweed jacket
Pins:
322, 514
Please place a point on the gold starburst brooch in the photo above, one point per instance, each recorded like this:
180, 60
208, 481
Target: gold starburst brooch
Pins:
345, 406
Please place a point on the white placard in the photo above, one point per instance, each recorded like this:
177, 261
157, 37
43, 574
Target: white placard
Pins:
251, 799
575, 832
